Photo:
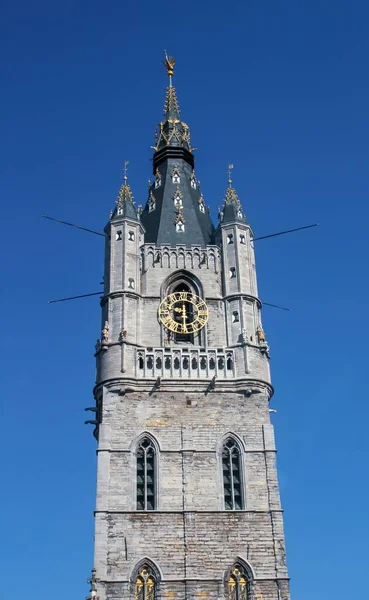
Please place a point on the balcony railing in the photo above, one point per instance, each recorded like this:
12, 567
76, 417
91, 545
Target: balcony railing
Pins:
185, 363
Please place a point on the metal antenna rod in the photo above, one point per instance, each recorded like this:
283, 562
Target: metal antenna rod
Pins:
75, 297
264, 237
276, 306
73, 225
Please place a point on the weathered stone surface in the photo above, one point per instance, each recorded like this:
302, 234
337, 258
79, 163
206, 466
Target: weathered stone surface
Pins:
190, 538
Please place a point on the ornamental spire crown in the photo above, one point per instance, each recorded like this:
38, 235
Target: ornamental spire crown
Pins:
172, 134
124, 205
232, 208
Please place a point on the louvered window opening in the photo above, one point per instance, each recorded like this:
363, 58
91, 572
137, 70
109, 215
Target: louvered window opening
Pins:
231, 462
146, 476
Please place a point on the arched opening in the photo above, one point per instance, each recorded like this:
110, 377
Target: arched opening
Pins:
188, 312
238, 583
183, 312
146, 475
232, 475
145, 581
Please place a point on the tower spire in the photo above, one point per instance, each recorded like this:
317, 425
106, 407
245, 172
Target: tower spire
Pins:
171, 105
125, 202
172, 137
232, 209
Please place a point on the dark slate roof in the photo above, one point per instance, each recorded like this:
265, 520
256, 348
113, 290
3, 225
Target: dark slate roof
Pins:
160, 223
231, 212
124, 204
232, 209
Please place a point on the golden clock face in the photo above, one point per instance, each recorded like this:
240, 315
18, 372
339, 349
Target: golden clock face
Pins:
183, 312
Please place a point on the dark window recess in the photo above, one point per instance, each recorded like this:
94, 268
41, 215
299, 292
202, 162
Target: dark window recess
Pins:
232, 272
242, 239
176, 363
131, 236
118, 236
184, 338
235, 317
231, 463
230, 238
146, 475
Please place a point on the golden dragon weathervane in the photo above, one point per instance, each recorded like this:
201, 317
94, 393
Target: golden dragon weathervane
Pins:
169, 63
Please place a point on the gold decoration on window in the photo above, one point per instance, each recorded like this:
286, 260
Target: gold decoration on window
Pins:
237, 584
145, 585
178, 199
179, 217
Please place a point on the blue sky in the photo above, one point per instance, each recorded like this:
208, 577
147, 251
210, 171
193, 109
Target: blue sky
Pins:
280, 89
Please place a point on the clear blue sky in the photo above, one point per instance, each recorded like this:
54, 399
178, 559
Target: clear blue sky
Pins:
279, 88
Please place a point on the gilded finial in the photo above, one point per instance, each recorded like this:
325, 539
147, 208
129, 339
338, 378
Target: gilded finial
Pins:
169, 63
230, 167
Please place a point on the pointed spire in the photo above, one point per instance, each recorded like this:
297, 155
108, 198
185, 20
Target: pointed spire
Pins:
171, 106
172, 133
125, 202
232, 209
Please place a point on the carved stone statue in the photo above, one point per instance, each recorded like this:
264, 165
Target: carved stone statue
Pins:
260, 333
105, 332
123, 334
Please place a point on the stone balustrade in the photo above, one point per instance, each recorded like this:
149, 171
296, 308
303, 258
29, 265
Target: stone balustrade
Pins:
185, 363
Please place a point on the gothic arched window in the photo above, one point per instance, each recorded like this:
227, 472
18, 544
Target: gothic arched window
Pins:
232, 475
238, 584
145, 584
146, 475
184, 337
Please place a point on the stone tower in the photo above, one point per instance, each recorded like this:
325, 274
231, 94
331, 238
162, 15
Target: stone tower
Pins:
187, 503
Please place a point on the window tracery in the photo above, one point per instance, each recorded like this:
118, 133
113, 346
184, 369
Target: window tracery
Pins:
232, 478
145, 584
146, 475
238, 584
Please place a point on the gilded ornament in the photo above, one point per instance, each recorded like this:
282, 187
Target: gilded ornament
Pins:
169, 63
183, 312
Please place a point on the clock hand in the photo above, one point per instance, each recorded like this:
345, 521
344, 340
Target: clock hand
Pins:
184, 317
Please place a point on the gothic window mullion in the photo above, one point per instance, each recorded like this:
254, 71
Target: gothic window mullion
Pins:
145, 485
146, 476
230, 452
232, 476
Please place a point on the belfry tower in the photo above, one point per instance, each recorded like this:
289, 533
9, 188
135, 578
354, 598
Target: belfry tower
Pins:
188, 502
